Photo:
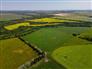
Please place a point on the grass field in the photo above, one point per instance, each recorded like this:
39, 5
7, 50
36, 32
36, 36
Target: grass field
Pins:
48, 65
76, 41
87, 33
14, 53
74, 57
49, 39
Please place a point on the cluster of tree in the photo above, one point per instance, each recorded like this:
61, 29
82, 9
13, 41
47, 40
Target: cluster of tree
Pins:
86, 38
31, 22
75, 34
4, 33
4, 23
77, 24
66, 24
21, 31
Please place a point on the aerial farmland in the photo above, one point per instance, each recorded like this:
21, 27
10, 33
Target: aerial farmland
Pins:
46, 40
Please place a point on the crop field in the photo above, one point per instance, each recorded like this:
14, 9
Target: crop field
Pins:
15, 26
10, 16
49, 20
14, 53
74, 57
46, 40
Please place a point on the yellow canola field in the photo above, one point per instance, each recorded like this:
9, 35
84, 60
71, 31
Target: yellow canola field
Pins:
15, 26
47, 20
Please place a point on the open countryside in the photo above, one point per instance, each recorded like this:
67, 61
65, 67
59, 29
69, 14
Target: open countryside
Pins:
46, 40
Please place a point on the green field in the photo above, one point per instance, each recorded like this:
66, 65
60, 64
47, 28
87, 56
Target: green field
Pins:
74, 57
76, 41
48, 65
87, 34
14, 53
49, 39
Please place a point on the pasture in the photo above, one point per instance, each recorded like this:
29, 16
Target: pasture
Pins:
74, 57
49, 39
86, 34
14, 53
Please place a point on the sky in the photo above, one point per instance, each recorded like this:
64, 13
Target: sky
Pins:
45, 4
46, 0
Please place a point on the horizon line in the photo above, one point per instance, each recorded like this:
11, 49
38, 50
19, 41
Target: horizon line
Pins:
49, 10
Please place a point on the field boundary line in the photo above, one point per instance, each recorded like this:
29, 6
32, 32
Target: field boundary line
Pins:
32, 62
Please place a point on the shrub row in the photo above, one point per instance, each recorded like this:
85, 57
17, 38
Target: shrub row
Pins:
40, 53
29, 64
86, 38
